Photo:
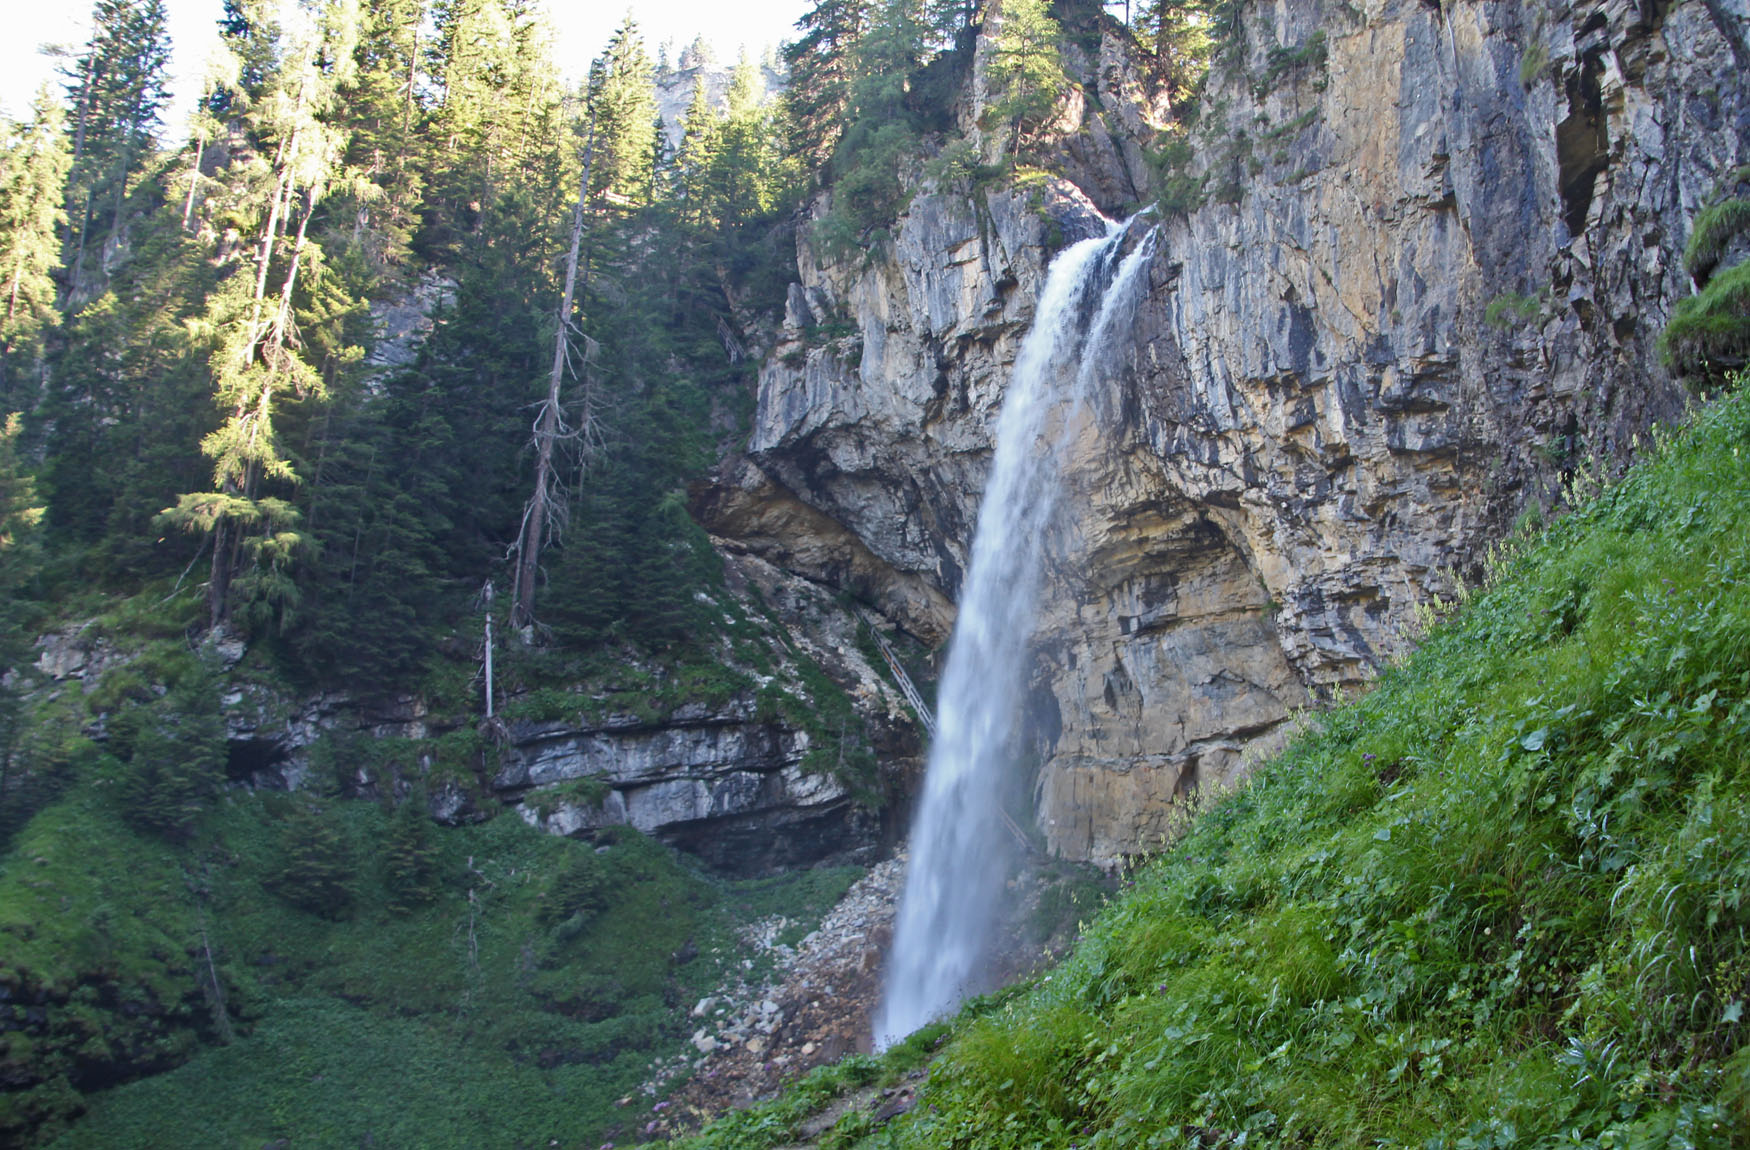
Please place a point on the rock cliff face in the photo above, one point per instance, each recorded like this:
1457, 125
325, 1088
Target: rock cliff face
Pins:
1419, 297
729, 781
747, 773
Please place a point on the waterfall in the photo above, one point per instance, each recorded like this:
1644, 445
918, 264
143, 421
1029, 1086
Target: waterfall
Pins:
960, 856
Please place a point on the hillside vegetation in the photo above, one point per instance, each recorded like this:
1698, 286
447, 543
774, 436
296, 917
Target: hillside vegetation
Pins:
1501, 900
339, 973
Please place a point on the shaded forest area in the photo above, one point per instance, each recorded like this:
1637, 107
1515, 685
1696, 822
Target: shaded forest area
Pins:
188, 337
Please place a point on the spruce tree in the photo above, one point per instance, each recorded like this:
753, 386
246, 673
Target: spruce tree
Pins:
21, 515
1026, 69
1182, 32
33, 174
258, 360
700, 139
410, 856
385, 125
317, 862
821, 70
172, 750
622, 108
117, 87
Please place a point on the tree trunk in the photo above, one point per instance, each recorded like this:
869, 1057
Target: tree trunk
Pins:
219, 583
538, 512
194, 178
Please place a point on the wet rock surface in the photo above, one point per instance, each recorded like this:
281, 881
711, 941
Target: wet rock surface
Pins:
818, 1001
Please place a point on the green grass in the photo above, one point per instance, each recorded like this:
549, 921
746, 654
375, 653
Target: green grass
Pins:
486, 985
1502, 900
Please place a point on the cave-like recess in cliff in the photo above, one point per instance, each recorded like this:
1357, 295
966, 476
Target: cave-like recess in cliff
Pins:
1582, 142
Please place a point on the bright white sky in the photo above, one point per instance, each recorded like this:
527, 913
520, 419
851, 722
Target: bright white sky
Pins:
583, 27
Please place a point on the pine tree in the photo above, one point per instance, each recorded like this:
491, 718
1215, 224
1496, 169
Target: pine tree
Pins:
1026, 69
128, 402
821, 70
1183, 33
117, 87
880, 134
21, 515
256, 362
622, 107
410, 856
33, 174
316, 862
384, 168
745, 161
700, 138
497, 116
173, 752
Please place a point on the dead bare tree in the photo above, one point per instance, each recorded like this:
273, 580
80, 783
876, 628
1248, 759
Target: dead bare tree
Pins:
544, 512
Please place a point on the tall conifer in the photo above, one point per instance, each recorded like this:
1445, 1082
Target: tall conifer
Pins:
117, 88
33, 175
256, 363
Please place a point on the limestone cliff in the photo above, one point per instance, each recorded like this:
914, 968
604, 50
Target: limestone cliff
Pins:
1419, 295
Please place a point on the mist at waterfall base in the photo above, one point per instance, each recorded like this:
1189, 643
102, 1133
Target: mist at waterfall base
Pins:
961, 855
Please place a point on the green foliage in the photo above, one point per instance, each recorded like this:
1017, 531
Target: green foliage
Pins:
1181, 188
115, 87
1311, 54
411, 855
821, 72
1510, 310
1184, 35
126, 407
492, 983
1026, 69
168, 747
97, 927
20, 546
622, 109
1533, 63
1711, 232
880, 131
33, 175
317, 862
1708, 335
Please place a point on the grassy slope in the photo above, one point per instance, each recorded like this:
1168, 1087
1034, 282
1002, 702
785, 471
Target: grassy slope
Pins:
481, 1015
1499, 901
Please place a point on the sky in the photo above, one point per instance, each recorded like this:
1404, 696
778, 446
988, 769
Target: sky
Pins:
583, 28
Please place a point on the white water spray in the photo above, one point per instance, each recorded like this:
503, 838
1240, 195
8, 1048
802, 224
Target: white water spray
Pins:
960, 859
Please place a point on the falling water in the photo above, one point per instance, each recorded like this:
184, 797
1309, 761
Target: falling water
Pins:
960, 857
